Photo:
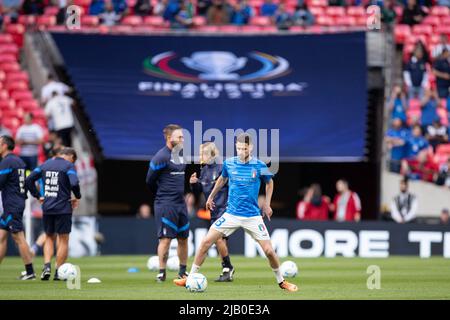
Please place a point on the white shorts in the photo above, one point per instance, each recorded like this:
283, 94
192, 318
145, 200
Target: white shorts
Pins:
254, 226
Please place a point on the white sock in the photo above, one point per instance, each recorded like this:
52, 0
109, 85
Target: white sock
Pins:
194, 269
278, 275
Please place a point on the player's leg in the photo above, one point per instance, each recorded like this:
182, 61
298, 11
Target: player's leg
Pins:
256, 228
38, 244
63, 227
24, 250
3, 243
49, 245
182, 237
163, 254
227, 267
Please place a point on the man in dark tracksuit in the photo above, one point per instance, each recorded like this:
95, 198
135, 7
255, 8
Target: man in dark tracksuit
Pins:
12, 186
165, 178
60, 179
209, 173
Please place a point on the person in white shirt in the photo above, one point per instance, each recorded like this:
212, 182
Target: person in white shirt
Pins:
443, 44
59, 109
29, 137
52, 86
404, 205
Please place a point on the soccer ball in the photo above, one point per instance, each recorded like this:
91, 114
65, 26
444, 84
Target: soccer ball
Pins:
196, 282
173, 263
67, 272
289, 269
153, 263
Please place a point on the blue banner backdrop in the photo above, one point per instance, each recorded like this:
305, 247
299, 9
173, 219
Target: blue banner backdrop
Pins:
310, 87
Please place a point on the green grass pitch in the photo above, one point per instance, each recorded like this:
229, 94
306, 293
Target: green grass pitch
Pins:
318, 278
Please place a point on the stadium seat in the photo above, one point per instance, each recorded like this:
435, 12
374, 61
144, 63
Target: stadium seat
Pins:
4, 96
260, 21
16, 85
356, 11
89, 20
414, 104
398, 11
153, 21
432, 21
28, 105
445, 21
5, 103
229, 28
325, 21
51, 11
45, 21
208, 28
443, 29
335, 11
317, 11
443, 149
443, 115
317, 3
440, 11
345, 21
5, 38
10, 48
199, 21
422, 29
132, 21
27, 19
413, 114
121, 29
17, 76
401, 32
250, 28
21, 95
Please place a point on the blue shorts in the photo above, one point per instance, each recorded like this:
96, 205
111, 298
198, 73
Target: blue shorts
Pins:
12, 222
172, 221
57, 223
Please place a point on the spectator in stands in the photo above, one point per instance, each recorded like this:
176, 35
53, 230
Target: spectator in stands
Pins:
203, 6
218, 13
53, 143
443, 178
436, 134
143, 8
282, 18
415, 75
242, 13
96, 7
346, 204
445, 215
314, 205
268, 9
160, 7
388, 14
397, 104
144, 212
109, 17
4, 131
336, 3
171, 10
396, 139
33, 7
420, 165
183, 16
429, 106
120, 6
59, 109
302, 16
441, 69
412, 13
404, 205
29, 137
190, 204
11, 9
443, 44
51, 86
416, 143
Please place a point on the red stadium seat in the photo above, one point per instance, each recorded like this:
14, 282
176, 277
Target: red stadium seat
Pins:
11, 123
445, 21
432, 21
4, 96
5, 38
335, 11
297, 29
15, 28
11, 48
443, 29
89, 20
269, 29
260, 21
28, 105
144, 29
443, 149
251, 29
21, 95
27, 19
317, 3
356, 11
82, 3
6, 103
154, 21
442, 113
199, 21
398, 11
16, 85
51, 11
414, 104
440, 11
401, 32
325, 21
131, 3
132, 21
46, 21
317, 11
345, 21
422, 29
17, 76
121, 29
229, 28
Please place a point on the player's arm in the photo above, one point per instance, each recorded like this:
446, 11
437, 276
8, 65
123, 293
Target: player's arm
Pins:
30, 182
4, 173
74, 182
195, 185
221, 181
267, 210
156, 165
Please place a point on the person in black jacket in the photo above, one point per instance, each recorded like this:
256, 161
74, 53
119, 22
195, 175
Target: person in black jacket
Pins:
12, 186
60, 180
413, 13
210, 171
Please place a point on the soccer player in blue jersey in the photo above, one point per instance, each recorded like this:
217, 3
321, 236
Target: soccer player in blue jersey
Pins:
165, 178
12, 186
60, 180
210, 172
243, 174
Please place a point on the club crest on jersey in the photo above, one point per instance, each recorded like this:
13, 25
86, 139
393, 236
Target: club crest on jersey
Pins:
253, 174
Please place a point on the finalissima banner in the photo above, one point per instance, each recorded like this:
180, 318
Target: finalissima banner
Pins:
312, 88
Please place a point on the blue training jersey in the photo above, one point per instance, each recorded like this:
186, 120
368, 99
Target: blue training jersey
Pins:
12, 184
244, 180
